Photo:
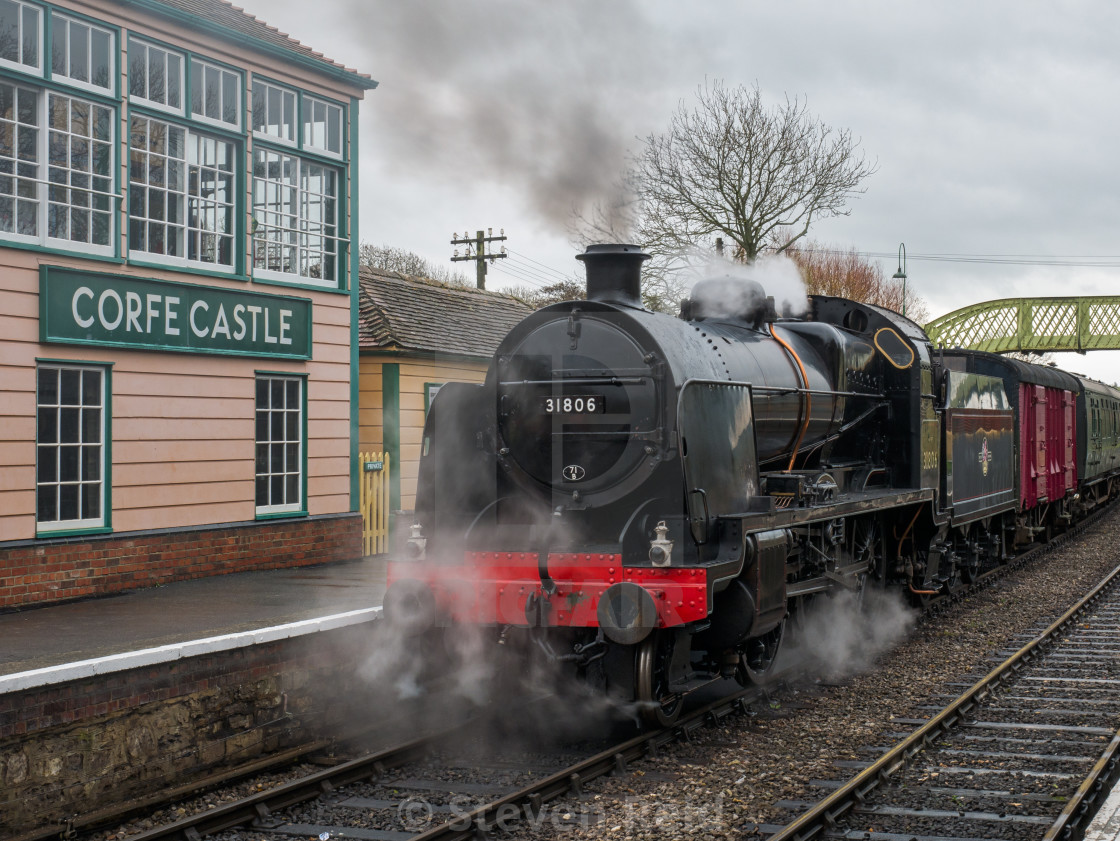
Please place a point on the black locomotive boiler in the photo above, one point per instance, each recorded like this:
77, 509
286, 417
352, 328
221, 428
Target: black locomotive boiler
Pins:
652, 498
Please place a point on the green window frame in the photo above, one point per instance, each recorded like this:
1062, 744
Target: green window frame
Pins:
275, 112
21, 36
83, 54
281, 444
215, 94
73, 445
297, 219
56, 169
183, 197
157, 76
324, 126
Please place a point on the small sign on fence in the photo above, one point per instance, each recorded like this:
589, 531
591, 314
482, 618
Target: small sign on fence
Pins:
374, 502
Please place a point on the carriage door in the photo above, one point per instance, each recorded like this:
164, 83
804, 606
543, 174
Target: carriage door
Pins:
1041, 460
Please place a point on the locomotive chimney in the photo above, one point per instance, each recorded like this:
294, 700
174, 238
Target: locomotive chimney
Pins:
614, 273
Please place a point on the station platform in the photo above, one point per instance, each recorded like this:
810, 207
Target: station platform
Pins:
57, 643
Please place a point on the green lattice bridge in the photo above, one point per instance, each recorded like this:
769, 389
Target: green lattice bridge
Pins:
1032, 325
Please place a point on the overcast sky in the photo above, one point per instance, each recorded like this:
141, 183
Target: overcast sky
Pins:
994, 124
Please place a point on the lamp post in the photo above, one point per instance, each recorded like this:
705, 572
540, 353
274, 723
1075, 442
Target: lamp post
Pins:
901, 273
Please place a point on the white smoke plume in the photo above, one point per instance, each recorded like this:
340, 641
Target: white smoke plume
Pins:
777, 274
840, 636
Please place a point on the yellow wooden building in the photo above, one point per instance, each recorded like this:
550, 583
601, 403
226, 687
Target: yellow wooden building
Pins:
415, 335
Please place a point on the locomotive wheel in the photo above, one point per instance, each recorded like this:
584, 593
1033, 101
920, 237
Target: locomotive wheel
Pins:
657, 705
970, 569
867, 547
756, 664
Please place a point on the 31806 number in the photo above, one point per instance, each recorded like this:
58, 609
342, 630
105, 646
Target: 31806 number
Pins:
571, 405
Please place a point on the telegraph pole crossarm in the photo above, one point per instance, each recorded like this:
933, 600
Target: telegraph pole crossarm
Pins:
476, 250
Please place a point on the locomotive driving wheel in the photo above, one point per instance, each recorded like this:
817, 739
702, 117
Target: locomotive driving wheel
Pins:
756, 663
659, 707
867, 550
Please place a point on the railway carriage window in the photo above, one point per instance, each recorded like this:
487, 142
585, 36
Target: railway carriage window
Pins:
71, 432
280, 457
56, 169
21, 36
83, 54
155, 76
181, 195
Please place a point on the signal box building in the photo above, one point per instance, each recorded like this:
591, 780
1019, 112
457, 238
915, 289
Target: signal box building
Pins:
415, 335
178, 189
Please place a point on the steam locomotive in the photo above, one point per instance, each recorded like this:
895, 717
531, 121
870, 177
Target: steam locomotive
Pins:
652, 500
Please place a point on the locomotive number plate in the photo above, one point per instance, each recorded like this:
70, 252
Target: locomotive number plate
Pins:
588, 404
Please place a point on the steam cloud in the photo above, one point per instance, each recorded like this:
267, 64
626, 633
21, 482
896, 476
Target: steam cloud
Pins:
777, 274
468, 93
840, 638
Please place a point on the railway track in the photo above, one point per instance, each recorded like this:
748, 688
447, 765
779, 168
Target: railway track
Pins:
393, 795
1026, 752
380, 779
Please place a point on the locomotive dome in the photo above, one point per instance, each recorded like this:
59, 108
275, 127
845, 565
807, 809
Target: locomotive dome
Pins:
725, 296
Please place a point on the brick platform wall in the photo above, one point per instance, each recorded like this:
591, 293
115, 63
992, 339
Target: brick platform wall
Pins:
47, 571
76, 747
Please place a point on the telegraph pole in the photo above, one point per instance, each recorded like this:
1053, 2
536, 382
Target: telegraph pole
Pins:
476, 250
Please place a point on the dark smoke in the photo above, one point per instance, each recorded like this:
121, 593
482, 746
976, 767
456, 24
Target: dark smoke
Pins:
507, 95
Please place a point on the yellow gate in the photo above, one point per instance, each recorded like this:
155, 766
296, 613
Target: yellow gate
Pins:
374, 502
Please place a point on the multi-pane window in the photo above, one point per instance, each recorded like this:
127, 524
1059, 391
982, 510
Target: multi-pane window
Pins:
215, 94
155, 75
70, 438
80, 171
181, 193
279, 475
295, 206
75, 202
20, 35
274, 112
19, 160
82, 53
322, 126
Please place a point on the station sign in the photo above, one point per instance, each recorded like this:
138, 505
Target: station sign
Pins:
93, 308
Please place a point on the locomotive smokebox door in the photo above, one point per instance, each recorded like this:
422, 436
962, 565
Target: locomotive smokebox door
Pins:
717, 446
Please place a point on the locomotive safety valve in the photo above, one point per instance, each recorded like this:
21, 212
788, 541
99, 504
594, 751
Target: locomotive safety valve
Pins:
417, 546
661, 549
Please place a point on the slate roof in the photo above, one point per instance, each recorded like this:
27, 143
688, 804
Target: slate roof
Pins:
401, 312
237, 21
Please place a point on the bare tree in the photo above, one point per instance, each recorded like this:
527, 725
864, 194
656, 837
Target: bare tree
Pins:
391, 259
847, 274
554, 293
731, 167
728, 167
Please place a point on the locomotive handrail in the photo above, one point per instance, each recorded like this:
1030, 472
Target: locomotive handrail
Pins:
636, 380
780, 389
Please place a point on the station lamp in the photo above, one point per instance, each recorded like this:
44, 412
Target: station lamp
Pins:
901, 273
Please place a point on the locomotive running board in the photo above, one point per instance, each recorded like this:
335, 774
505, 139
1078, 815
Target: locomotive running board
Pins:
865, 502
